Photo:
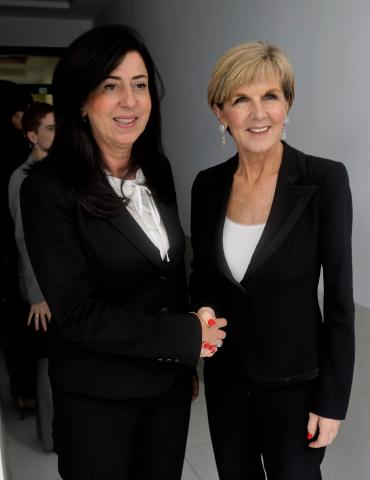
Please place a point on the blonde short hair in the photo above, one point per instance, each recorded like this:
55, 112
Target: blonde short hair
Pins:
246, 63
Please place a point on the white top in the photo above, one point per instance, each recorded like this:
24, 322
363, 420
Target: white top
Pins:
143, 209
239, 242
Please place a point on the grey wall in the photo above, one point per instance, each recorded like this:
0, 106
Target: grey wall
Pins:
328, 44
40, 32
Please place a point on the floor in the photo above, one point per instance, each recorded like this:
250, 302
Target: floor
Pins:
27, 460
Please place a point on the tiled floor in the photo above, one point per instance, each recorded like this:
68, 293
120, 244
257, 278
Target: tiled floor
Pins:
27, 460
347, 458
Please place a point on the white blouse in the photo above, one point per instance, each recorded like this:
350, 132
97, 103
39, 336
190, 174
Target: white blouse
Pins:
239, 243
143, 209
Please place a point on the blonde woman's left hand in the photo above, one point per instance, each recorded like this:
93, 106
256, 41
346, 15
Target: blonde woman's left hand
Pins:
327, 429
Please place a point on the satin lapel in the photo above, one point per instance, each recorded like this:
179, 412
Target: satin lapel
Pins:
128, 227
219, 207
288, 204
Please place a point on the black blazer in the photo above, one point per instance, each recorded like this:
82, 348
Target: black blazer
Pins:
120, 327
275, 328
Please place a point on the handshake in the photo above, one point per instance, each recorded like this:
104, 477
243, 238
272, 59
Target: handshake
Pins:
212, 335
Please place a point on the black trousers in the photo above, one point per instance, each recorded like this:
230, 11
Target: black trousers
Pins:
98, 439
249, 423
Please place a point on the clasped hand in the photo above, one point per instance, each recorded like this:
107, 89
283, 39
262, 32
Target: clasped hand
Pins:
212, 335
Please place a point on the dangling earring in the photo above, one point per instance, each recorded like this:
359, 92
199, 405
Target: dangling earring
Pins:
283, 132
222, 130
83, 115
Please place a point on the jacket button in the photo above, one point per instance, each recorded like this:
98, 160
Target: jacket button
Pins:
159, 359
163, 278
177, 360
164, 310
169, 360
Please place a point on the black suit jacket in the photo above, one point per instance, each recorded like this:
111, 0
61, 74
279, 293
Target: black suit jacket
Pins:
276, 331
120, 327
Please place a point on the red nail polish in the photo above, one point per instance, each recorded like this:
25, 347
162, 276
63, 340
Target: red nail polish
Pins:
211, 322
206, 345
309, 436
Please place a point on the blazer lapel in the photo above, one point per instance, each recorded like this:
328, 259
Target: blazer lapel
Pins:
175, 234
288, 204
127, 226
223, 189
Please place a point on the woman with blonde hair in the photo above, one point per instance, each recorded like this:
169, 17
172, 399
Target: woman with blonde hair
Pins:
280, 385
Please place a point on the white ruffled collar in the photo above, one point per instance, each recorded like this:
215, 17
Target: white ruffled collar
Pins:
141, 203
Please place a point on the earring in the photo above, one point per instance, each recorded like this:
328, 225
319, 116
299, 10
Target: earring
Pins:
83, 115
222, 131
284, 132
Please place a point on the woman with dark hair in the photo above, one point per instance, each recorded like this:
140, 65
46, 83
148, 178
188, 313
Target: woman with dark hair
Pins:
103, 235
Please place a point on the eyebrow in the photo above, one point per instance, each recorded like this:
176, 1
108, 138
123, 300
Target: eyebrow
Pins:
269, 90
136, 77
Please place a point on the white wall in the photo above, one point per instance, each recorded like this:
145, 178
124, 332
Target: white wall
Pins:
40, 32
327, 42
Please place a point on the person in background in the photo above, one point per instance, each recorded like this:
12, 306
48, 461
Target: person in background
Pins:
14, 150
281, 383
39, 129
14, 147
104, 239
